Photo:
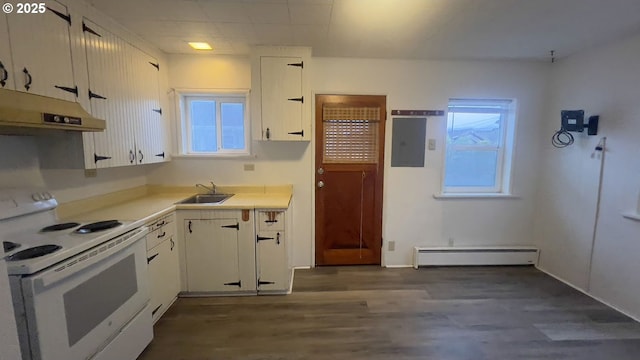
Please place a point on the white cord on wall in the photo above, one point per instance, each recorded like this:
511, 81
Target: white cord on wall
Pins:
600, 150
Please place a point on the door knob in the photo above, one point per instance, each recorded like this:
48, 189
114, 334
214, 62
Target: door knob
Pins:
320, 183
320, 171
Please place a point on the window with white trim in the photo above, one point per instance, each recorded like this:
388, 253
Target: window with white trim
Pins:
214, 123
479, 146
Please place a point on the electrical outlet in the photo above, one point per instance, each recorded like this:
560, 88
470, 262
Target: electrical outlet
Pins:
391, 246
89, 173
249, 167
431, 144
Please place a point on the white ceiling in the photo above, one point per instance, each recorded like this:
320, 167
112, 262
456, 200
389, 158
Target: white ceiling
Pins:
427, 29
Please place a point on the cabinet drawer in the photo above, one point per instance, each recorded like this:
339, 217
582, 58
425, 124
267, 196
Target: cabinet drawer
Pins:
271, 220
165, 220
156, 237
160, 230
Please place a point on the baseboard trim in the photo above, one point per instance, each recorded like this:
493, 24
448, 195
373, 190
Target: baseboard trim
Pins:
398, 266
588, 294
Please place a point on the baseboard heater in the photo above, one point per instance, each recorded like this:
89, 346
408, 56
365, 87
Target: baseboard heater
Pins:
486, 255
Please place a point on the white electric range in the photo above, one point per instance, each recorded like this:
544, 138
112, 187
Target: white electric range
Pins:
79, 289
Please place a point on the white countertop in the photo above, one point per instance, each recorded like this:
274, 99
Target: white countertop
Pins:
153, 205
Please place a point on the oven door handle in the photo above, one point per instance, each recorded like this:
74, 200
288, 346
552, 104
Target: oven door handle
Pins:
90, 257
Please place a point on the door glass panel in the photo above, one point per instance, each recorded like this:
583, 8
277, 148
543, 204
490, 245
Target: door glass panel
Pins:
89, 304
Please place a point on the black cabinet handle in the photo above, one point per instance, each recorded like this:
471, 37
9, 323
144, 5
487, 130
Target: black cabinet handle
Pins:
261, 238
236, 226
27, 84
173, 244
268, 133
260, 282
278, 238
73, 90
190, 231
150, 259
160, 155
301, 133
300, 99
132, 156
162, 235
161, 223
300, 64
85, 28
97, 158
141, 156
5, 75
237, 283
159, 111
156, 310
271, 221
93, 95
65, 17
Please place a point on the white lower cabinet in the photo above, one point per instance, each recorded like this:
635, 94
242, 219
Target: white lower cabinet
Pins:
227, 252
271, 262
213, 257
163, 265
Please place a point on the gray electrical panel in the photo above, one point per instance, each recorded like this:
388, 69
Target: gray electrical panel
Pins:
408, 142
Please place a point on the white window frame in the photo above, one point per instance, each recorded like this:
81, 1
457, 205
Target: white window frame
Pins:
505, 149
183, 97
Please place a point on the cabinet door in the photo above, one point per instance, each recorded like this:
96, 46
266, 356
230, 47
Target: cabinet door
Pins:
212, 251
164, 276
172, 278
271, 261
157, 263
282, 99
41, 52
149, 126
6, 65
110, 97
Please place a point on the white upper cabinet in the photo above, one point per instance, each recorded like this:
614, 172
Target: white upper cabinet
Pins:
108, 78
123, 90
280, 94
282, 97
41, 52
6, 65
150, 135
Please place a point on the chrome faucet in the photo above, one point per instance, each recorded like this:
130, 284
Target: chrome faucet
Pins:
211, 189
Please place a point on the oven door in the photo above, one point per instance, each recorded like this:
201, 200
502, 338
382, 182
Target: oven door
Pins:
76, 307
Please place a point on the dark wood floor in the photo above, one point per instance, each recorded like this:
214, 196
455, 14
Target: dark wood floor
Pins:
371, 313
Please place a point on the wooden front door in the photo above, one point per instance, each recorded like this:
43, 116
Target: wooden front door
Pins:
349, 174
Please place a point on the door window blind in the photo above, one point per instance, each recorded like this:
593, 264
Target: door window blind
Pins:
350, 134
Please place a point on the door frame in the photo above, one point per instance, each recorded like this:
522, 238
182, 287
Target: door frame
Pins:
379, 192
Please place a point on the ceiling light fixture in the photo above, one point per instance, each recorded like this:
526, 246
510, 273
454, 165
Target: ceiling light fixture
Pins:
200, 45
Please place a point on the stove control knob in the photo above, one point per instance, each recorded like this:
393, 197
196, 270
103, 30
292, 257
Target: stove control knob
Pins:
57, 118
46, 195
36, 197
66, 120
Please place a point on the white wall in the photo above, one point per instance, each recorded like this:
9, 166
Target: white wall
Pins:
411, 215
275, 163
603, 82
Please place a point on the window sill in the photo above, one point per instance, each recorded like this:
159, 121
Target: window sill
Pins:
631, 216
211, 156
442, 196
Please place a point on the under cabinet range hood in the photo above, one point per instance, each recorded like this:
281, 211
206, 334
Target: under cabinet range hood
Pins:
24, 110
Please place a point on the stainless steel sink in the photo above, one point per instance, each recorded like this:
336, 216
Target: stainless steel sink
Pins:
206, 199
